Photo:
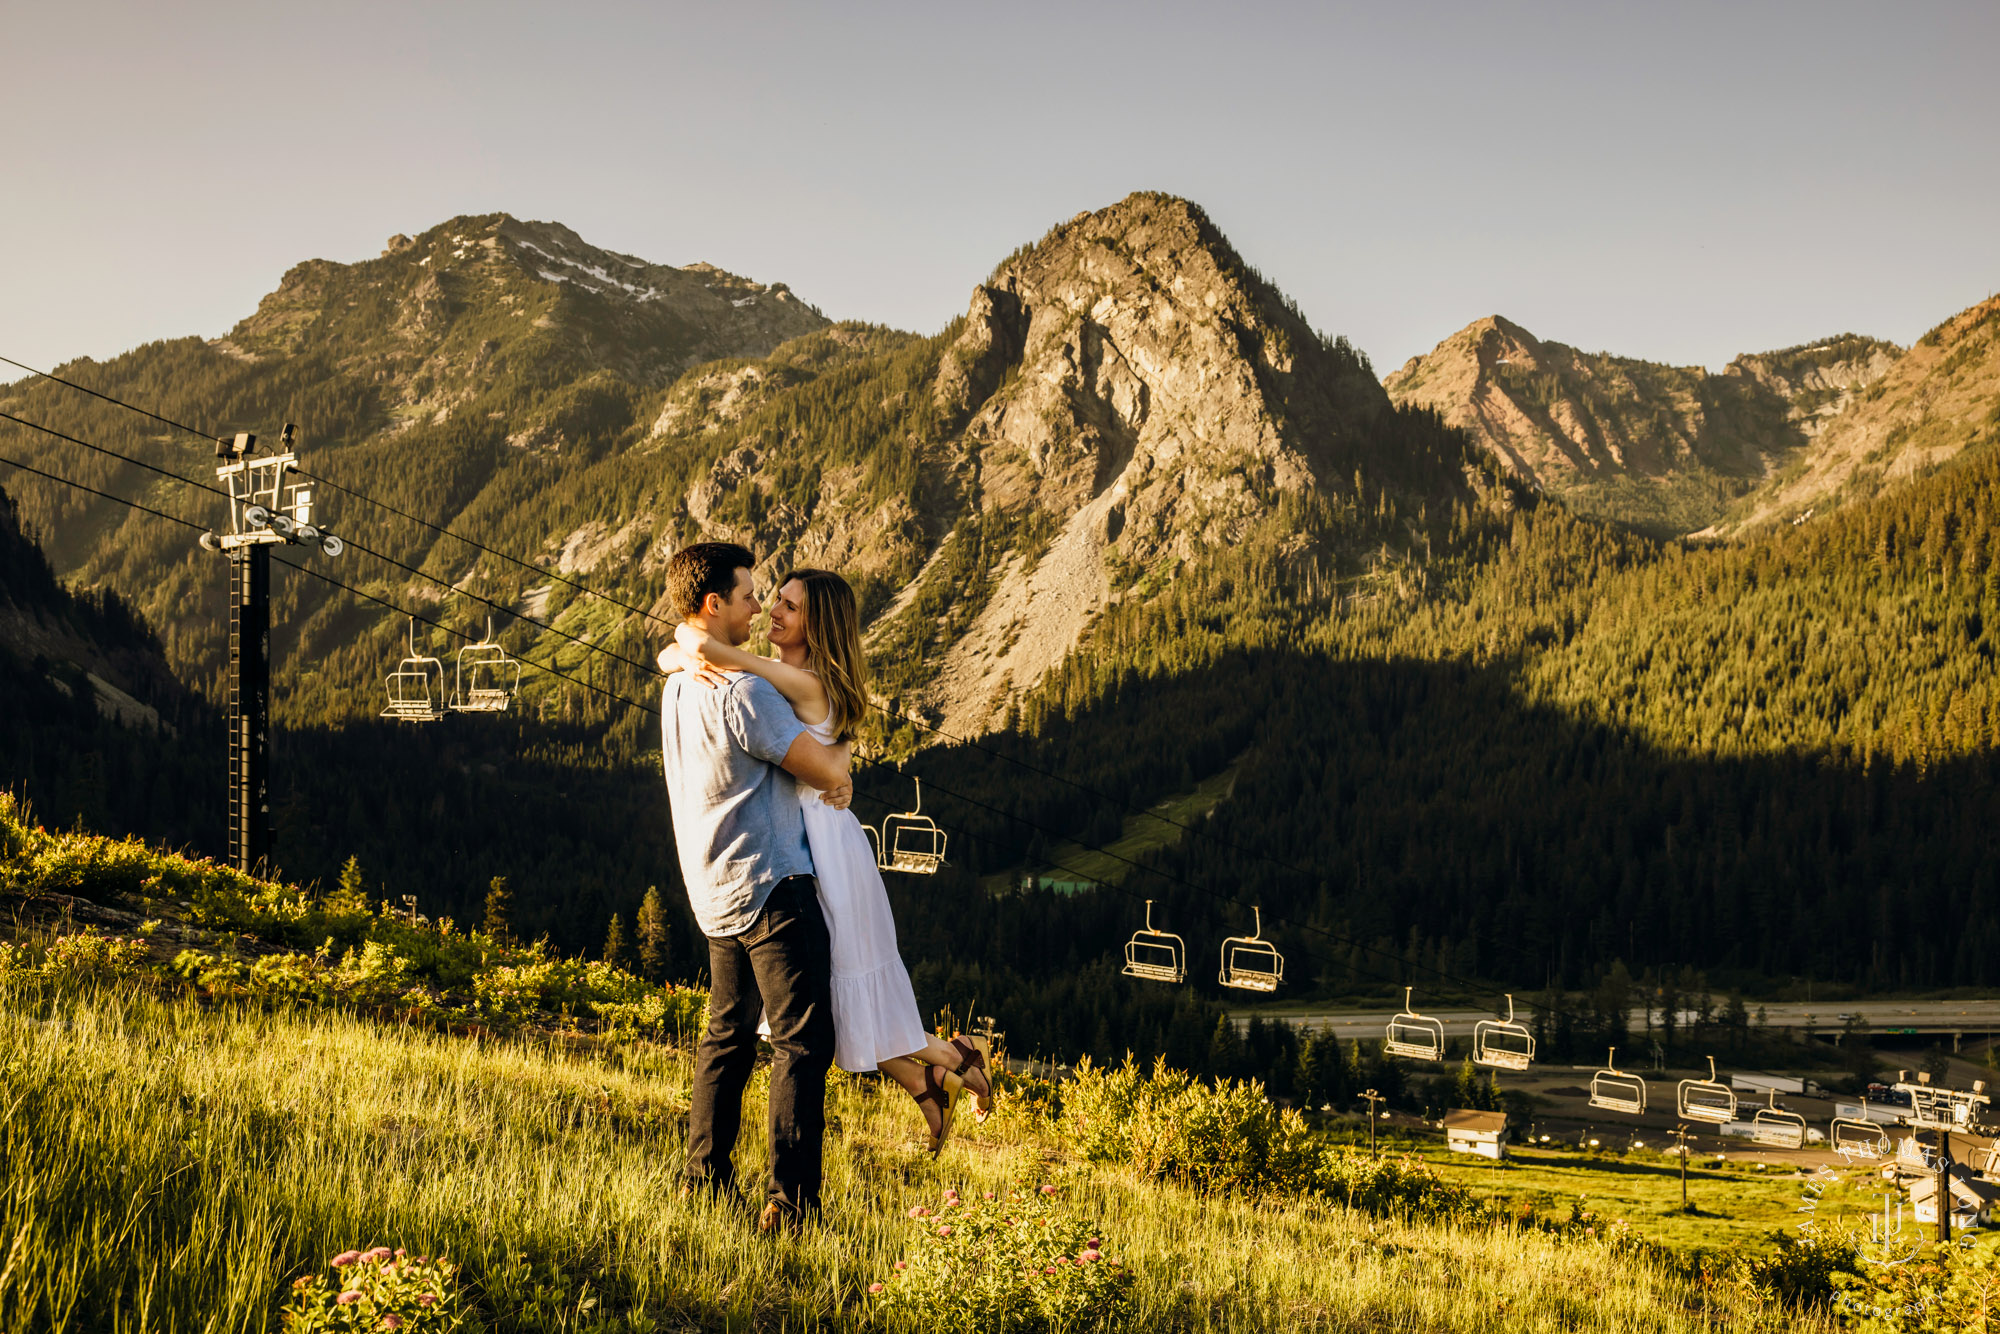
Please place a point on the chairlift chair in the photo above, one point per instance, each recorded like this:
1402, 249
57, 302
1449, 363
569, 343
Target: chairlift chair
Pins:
1158, 956
1414, 1035
1611, 1090
416, 687
909, 841
1706, 1099
1777, 1128
1503, 1044
486, 678
1251, 963
1857, 1139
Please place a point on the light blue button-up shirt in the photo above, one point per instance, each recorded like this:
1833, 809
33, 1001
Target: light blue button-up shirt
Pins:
736, 813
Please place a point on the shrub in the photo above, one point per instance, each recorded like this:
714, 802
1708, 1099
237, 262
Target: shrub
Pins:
1403, 1186
1004, 1263
376, 1290
1173, 1127
1955, 1286
1799, 1271
89, 954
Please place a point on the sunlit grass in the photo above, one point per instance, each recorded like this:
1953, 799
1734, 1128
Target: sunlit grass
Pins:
175, 1167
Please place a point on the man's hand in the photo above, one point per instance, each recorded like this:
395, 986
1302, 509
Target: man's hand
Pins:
839, 797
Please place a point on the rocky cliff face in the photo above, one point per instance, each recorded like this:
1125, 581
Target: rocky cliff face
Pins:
1916, 413
1664, 448
1130, 383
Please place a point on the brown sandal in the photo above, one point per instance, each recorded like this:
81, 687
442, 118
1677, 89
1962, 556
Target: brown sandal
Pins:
975, 1051
938, 1089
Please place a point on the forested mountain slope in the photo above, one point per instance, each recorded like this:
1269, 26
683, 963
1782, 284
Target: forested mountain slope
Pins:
1662, 448
94, 726
1121, 397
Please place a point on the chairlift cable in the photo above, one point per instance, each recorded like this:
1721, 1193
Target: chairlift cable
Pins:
353, 544
939, 732
147, 509
344, 490
50, 430
1081, 787
918, 723
632, 704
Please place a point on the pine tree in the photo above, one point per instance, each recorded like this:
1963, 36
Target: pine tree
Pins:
614, 941
499, 909
350, 898
653, 936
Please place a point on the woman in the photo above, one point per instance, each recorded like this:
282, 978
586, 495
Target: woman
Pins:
820, 670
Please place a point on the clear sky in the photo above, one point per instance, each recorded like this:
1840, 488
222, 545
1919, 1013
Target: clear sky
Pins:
1676, 181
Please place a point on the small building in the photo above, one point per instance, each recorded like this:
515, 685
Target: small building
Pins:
1974, 1201
1483, 1133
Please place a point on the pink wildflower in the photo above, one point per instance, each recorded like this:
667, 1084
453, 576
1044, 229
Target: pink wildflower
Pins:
950, 1194
918, 1211
944, 1232
402, 1254
1050, 1270
1094, 1243
1062, 1259
426, 1299
900, 1266
392, 1321
1048, 1190
344, 1259
989, 1194
347, 1298
874, 1287
378, 1255
1091, 1256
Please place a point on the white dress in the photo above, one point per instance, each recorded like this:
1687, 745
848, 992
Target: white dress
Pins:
874, 1005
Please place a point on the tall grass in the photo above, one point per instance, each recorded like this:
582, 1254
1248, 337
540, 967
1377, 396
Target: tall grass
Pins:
171, 1166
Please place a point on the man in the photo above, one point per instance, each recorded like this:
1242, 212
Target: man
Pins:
733, 756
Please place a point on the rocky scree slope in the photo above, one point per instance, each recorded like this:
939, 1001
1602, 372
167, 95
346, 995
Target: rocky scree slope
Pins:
1665, 449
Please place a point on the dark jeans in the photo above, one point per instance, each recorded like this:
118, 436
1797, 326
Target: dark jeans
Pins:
782, 965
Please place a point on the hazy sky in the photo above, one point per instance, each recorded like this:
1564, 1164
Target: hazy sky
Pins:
1681, 182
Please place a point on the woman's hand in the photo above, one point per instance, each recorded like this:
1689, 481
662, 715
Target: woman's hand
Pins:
677, 657
693, 639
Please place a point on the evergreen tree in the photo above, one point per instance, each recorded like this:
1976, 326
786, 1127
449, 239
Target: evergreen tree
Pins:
653, 936
350, 897
499, 908
1225, 1049
614, 941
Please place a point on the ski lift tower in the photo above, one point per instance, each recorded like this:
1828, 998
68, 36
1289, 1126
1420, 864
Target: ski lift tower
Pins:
264, 511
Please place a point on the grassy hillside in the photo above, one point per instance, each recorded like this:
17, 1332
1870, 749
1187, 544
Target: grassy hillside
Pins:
172, 1164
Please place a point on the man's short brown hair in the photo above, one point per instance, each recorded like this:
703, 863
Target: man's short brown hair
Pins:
704, 568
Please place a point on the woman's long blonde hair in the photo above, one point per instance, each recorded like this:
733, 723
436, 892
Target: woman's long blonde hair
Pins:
833, 646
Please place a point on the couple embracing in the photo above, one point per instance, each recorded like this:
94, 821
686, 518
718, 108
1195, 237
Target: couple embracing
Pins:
781, 878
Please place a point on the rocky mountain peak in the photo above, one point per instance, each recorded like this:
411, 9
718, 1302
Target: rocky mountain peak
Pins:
438, 317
